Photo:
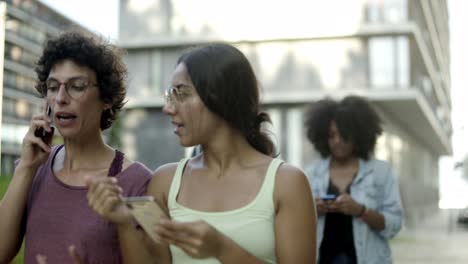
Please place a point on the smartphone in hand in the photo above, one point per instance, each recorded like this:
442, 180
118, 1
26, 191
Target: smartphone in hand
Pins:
146, 212
42, 133
328, 197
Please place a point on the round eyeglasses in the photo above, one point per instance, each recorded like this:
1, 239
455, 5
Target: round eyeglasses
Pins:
75, 88
176, 95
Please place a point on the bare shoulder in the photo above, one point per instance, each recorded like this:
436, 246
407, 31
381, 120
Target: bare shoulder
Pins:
289, 173
290, 180
161, 183
162, 177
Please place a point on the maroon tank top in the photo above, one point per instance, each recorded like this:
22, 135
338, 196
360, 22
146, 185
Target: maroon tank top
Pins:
58, 215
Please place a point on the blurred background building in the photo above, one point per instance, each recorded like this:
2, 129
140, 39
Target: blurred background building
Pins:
24, 27
394, 52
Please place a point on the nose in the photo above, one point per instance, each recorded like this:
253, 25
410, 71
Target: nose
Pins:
62, 95
336, 139
169, 109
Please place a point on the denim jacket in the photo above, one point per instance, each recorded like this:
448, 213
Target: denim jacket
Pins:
376, 187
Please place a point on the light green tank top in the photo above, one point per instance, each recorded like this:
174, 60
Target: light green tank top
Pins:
251, 226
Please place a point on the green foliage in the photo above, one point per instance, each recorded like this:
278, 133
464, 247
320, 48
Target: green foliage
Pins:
4, 181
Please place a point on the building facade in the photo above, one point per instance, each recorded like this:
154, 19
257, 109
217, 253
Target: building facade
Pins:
24, 27
394, 52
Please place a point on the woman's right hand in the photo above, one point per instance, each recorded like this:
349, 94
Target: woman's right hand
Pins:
322, 207
105, 198
34, 150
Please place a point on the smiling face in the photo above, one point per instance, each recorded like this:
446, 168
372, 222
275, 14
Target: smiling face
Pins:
76, 109
194, 123
340, 148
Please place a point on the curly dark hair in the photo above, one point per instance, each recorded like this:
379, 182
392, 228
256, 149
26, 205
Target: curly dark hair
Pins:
356, 121
98, 55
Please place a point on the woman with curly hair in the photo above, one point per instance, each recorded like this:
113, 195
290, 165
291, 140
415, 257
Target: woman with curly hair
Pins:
357, 197
83, 81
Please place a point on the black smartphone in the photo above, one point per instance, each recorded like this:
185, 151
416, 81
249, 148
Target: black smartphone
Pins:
42, 133
328, 197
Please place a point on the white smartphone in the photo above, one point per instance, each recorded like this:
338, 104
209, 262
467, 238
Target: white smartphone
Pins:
146, 212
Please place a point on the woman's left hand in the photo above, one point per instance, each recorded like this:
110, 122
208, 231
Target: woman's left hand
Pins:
345, 204
197, 239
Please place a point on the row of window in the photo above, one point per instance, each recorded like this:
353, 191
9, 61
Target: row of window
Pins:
24, 30
19, 108
376, 63
20, 82
13, 133
17, 54
40, 11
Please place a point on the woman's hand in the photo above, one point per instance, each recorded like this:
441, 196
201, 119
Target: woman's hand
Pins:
34, 150
322, 207
345, 204
105, 198
197, 239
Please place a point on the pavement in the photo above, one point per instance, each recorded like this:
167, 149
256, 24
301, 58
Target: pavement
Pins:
437, 239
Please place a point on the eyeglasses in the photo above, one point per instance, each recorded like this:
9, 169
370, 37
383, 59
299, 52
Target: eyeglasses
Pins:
75, 87
176, 95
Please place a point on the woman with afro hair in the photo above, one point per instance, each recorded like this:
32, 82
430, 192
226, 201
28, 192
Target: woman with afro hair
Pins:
357, 196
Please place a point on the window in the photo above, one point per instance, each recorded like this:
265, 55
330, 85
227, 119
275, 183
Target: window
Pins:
387, 11
382, 62
389, 64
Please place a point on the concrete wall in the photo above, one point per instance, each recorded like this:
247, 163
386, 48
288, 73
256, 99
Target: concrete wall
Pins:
416, 167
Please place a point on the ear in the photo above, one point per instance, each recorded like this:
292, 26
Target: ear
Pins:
107, 107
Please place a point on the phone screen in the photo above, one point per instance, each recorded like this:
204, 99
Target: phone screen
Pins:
328, 197
146, 212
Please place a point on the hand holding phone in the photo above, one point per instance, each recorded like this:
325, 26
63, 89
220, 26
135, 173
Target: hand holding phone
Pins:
42, 133
328, 197
146, 212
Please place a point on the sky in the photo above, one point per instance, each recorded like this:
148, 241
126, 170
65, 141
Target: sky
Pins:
102, 16
97, 15
459, 65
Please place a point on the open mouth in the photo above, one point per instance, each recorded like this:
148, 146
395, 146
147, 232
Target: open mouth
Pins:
65, 116
177, 128
64, 119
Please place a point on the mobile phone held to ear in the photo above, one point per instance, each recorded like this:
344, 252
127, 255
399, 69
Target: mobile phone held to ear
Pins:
146, 212
328, 197
42, 133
